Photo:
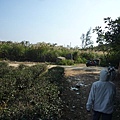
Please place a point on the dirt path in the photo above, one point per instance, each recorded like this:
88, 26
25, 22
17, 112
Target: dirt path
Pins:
75, 97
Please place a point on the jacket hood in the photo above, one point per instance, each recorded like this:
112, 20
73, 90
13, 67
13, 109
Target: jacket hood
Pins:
104, 75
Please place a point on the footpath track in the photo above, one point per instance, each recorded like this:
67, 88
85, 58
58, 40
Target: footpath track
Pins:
79, 81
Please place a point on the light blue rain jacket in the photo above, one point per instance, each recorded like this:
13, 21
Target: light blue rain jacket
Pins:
102, 95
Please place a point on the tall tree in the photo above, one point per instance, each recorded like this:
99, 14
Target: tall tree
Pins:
110, 36
86, 39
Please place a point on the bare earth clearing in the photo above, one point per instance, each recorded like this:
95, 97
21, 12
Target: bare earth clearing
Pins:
75, 99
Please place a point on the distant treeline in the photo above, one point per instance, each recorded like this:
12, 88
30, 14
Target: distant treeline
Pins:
43, 52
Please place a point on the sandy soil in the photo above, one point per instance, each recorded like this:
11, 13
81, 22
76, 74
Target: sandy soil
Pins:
16, 64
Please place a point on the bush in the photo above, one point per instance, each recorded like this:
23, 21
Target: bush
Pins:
87, 56
55, 75
27, 93
80, 60
66, 62
4, 69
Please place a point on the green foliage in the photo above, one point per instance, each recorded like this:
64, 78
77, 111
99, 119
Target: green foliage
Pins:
21, 66
114, 58
109, 38
3, 64
66, 62
4, 68
87, 55
54, 73
80, 60
27, 93
44, 52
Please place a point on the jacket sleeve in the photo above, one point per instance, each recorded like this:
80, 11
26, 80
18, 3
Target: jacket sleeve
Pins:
91, 98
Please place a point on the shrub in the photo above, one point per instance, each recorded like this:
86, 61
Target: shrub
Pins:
80, 60
55, 75
4, 69
21, 66
66, 62
27, 93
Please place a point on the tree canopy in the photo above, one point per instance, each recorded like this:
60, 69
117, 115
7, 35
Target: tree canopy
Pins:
109, 37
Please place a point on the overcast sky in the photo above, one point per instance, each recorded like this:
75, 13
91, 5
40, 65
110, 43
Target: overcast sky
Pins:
53, 21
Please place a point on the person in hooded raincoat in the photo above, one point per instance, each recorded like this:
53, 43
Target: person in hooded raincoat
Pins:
101, 97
